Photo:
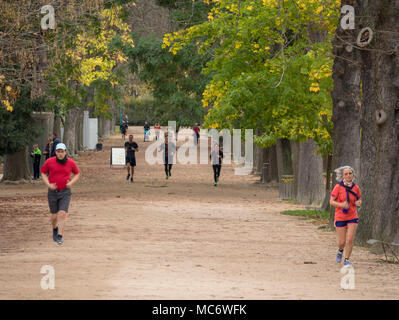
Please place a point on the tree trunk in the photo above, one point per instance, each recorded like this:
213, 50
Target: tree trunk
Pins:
346, 98
16, 166
45, 122
258, 160
70, 130
310, 175
284, 161
272, 159
295, 165
79, 132
40, 63
57, 125
379, 179
326, 203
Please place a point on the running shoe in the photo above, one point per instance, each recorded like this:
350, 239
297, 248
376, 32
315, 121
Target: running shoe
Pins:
59, 239
128, 176
215, 184
131, 179
55, 234
167, 177
338, 258
347, 263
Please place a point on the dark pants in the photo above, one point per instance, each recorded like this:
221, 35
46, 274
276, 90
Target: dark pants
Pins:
168, 167
216, 170
36, 170
196, 138
59, 200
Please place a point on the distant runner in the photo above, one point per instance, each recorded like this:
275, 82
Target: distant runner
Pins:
59, 183
123, 129
169, 150
130, 148
216, 159
146, 130
196, 130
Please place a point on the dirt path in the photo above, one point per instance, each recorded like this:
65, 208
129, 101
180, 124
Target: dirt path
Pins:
173, 239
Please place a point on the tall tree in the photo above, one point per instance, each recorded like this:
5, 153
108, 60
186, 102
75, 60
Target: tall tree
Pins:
269, 69
379, 151
346, 96
175, 79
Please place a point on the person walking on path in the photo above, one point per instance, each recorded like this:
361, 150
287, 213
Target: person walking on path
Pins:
47, 150
169, 150
157, 128
59, 183
216, 158
36, 155
345, 197
55, 142
126, 118
131, 147
123, 129
196, 130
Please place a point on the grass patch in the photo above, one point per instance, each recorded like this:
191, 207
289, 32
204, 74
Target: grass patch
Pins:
310, 214
289, 200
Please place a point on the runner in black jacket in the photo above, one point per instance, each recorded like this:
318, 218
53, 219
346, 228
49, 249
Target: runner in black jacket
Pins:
216, 158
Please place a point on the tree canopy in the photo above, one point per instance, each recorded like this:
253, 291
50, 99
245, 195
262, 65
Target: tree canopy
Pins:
270, 66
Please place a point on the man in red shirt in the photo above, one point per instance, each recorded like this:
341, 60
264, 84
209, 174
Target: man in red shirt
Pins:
59, 183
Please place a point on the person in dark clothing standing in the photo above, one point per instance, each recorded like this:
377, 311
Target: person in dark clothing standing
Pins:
169, 149
130, 148
216, 158
196, 130
47, 150
36, 155
55, 142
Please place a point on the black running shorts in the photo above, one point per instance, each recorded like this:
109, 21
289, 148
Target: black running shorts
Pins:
59, 200
131, 159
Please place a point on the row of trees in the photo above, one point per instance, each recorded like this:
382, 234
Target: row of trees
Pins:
272, 68
77, 66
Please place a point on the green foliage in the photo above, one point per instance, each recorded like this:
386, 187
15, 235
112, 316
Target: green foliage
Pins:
176, 80
269, 67
88, 70
185, 13
141, 109
18, 128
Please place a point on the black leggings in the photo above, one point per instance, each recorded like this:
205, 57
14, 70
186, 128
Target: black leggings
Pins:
168, 167
216, 170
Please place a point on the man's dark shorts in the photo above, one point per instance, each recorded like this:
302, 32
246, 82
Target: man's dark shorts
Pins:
59, 200
131, 160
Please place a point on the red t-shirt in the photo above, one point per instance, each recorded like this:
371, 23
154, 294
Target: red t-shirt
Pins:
339, 193
196, 129
58, 173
